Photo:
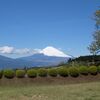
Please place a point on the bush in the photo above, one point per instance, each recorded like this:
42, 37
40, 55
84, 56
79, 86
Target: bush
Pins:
63, 72
32, 73
52, 72
1, 73
73, 71
93, 70
9, 73
83, 70
98, 69
20, 73
42, 72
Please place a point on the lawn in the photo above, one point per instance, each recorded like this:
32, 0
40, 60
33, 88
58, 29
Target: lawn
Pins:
79, 91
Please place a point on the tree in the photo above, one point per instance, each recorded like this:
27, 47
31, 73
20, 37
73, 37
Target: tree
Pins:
97, 18
94, 47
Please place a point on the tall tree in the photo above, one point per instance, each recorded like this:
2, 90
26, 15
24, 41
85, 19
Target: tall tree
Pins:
94, 47
97, 18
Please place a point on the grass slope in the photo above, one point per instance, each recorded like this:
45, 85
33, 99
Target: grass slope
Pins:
81, 91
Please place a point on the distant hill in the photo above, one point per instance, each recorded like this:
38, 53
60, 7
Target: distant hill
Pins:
87, 60
49, 56
36, 60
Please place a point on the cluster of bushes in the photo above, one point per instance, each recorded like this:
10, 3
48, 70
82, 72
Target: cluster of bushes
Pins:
86, 60
52, 72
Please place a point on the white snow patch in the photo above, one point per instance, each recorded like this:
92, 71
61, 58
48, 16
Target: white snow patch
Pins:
51, 51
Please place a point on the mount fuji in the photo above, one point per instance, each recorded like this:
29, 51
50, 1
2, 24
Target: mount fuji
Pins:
48, 56
51, 51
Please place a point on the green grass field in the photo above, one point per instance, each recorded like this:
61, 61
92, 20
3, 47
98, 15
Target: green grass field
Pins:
81, 91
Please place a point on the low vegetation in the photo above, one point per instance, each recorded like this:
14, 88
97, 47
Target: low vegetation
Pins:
32, 73
93, 70
82, 91
61, 71
42, 72
83, 70
9, 73
20, 73
52, 72
1, 74
89, 60
98, 69
73, 71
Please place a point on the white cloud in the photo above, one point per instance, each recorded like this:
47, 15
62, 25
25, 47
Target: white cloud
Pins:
6, 50
22, 51
49, 51
12, 50
26, 51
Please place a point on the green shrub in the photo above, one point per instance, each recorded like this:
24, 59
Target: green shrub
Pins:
63, 72
20, 73
52, 72
93, 70
42, 72
98, 69
32, 73
83, 70
1, 73
73, 71
9, 73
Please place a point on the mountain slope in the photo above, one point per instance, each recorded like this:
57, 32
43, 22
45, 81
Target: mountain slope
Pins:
35, 60
43, 60
49, 56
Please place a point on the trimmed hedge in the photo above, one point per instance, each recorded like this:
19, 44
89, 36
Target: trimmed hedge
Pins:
98, 69
20, 73
42, 72
73, 71
32, 73
52, 72
93, 70
8, 73
83, 70
1, 74
63, 72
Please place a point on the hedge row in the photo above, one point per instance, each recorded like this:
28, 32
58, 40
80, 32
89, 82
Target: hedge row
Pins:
53, 72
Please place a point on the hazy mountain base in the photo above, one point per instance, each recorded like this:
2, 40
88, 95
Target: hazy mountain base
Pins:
36, 60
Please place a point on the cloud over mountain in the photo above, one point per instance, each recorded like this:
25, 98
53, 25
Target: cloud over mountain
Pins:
48, 56
6, 50
12, 50
48, 51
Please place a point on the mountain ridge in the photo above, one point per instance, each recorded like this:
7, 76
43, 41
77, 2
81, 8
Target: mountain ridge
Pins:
48, 56
36, 60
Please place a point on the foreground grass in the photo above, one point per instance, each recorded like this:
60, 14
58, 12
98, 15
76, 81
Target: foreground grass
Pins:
82, 91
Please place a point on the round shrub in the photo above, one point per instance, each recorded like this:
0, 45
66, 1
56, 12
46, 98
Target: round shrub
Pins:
20, 73
52, 72
9, 73
42, 72
32, 73
73, 71
1, 73
98, 69
63, 72
93, 70
83, 70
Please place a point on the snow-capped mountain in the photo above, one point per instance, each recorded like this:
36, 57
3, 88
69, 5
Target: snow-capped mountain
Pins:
49, 56
51, 51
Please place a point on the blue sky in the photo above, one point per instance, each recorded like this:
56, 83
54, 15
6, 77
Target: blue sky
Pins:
36, 24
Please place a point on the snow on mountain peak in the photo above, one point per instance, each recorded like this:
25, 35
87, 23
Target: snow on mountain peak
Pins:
51, 51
